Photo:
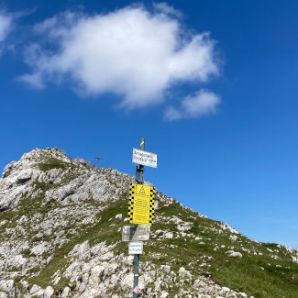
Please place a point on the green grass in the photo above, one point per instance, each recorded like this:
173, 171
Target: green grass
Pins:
246, 275
242, 274
52, 163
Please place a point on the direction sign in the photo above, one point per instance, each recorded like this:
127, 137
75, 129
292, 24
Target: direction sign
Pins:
136, 232
135, 248
144, 158
141, 204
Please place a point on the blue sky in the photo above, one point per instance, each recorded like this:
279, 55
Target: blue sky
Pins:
219, 105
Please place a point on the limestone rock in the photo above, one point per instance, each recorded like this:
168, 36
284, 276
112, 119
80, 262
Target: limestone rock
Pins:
36, 291
49, 291
234, 254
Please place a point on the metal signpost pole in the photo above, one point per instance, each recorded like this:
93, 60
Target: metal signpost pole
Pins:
136, 259
136, 263
140, 210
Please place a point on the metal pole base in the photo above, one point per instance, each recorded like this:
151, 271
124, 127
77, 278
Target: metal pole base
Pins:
136, 264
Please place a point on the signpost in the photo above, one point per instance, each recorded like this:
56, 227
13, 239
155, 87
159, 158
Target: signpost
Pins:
135, 248
144, 158
140, 210
136, 232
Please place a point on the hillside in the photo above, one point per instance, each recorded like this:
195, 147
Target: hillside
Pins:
60, 236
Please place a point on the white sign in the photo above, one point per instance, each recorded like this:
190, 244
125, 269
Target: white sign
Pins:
135, 248
136, 232
144, 158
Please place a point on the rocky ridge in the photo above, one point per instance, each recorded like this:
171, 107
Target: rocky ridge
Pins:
60, 225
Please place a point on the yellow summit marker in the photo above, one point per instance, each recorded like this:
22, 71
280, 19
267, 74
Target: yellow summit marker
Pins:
142, 144
141, 204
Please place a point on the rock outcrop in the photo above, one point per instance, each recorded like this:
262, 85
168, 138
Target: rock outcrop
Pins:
60, 227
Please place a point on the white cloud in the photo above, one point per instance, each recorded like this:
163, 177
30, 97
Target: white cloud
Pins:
167, 9
34, 80
193, 106
132, 52
5, 26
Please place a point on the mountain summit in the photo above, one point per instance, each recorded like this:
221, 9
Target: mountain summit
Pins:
60, 236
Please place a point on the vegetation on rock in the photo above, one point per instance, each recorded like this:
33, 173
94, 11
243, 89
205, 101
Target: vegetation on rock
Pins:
61, 234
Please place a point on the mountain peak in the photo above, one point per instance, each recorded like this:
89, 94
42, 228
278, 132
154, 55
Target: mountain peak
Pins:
60, 236
29, 159
65, 179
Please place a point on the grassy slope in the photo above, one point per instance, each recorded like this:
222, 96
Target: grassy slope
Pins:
256, 275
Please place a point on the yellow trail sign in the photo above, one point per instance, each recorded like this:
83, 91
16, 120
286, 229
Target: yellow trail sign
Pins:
141, 204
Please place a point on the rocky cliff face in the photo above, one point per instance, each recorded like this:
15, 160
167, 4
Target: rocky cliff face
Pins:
60, 225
